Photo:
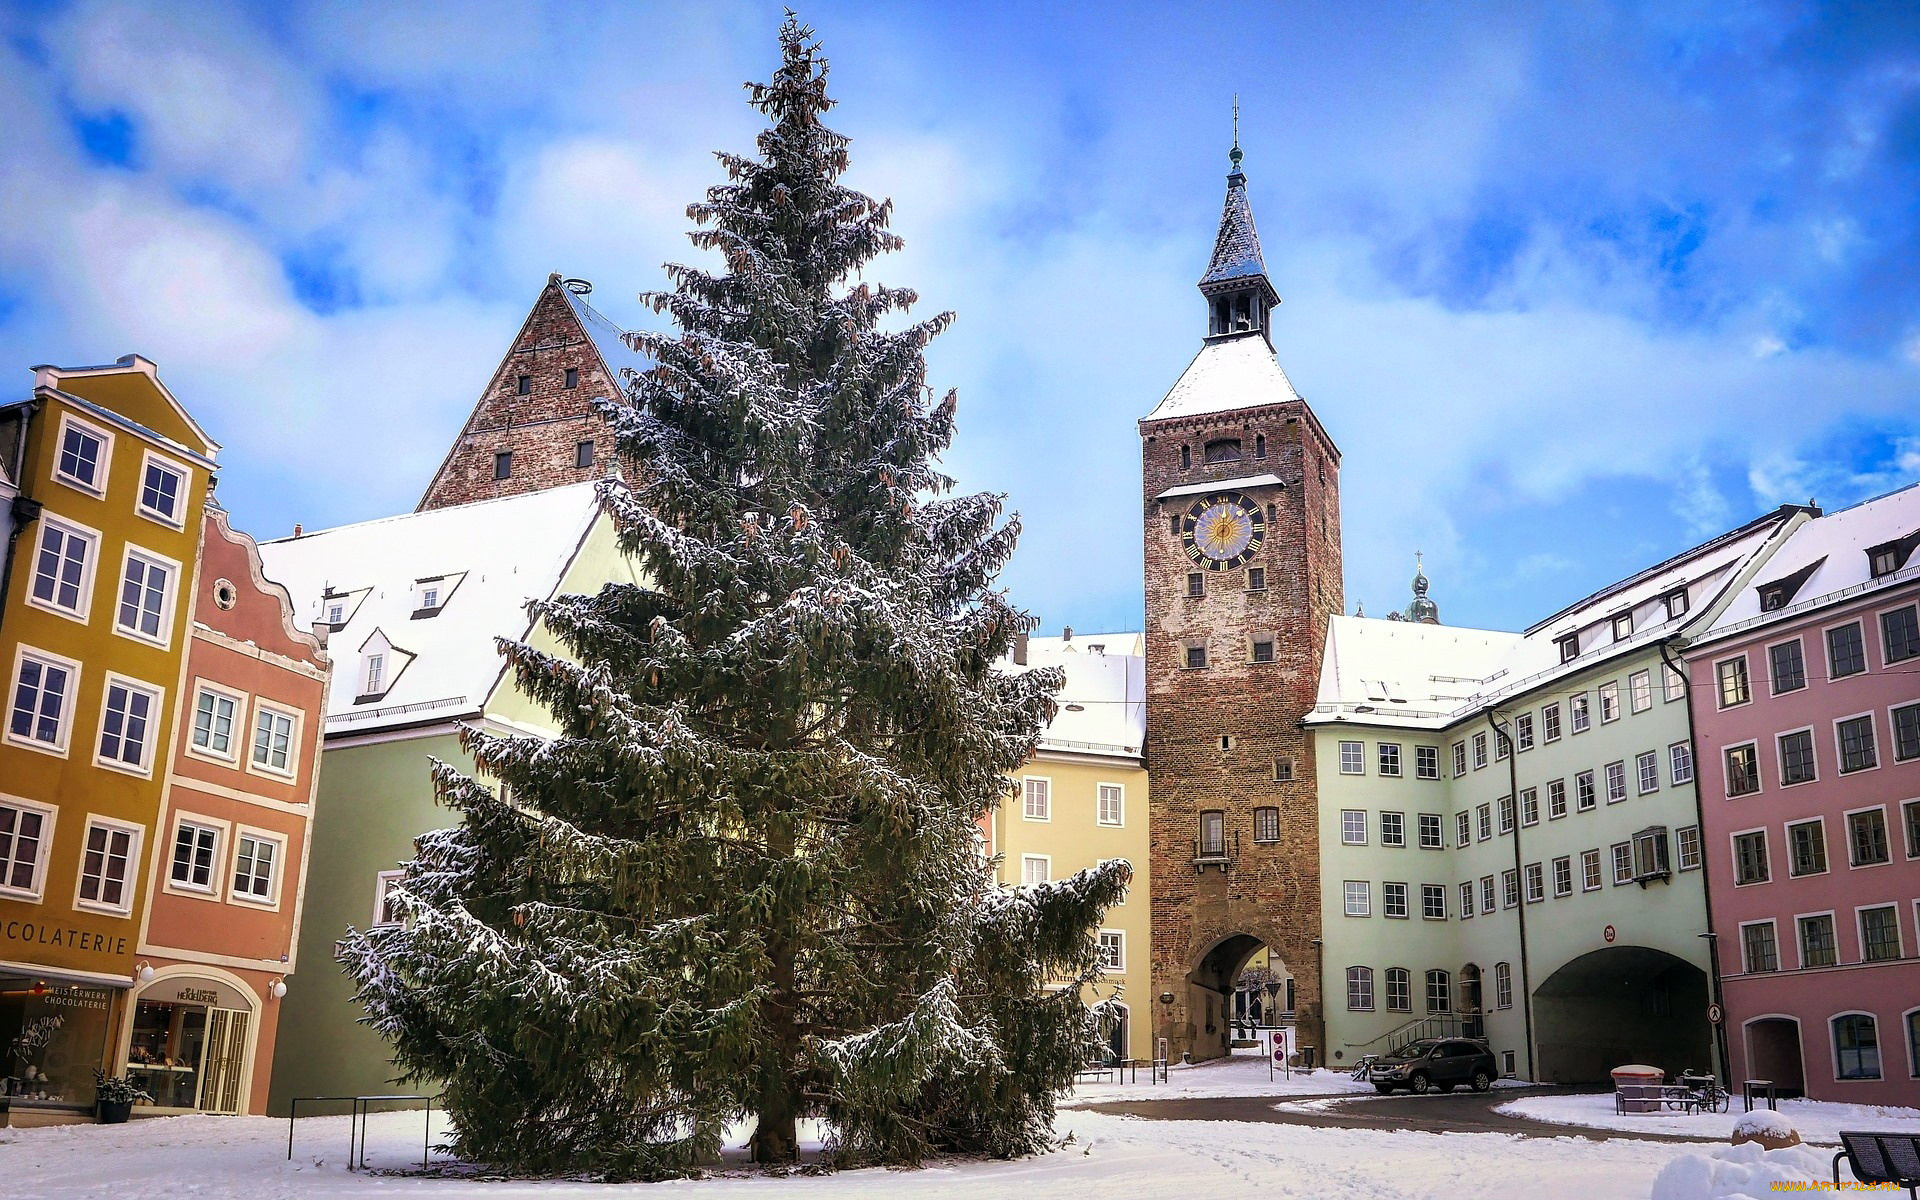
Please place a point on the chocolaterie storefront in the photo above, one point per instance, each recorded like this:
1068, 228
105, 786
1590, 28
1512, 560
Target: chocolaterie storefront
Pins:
54, 1031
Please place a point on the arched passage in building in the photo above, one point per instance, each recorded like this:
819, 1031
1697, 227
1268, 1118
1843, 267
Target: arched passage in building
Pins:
1774, 1052
1238, 987
1620, 1005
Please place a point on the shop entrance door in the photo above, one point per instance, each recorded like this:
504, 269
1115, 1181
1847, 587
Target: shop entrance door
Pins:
226, 1060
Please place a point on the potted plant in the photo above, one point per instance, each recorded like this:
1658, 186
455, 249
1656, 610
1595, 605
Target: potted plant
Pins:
114, 1096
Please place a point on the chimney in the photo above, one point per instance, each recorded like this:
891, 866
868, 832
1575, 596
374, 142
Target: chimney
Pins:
296, 529
1066, 636
1020, 650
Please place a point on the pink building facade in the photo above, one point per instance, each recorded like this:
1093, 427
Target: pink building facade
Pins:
1806, 708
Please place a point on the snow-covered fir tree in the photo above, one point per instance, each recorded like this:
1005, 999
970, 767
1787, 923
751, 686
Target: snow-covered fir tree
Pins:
745, 881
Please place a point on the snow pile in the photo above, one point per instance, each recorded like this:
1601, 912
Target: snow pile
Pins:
1744, 1172
1240, 1075
1763, 1123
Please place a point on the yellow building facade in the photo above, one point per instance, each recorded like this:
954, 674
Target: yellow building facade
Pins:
1082, 800
99, 577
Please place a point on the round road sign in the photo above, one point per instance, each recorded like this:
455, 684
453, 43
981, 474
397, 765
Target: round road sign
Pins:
1714, 1014
1609, 933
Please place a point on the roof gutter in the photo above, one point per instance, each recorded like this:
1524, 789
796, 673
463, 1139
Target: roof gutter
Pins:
1520, 882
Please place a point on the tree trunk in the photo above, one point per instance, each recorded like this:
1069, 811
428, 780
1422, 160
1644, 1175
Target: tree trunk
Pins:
775, 1139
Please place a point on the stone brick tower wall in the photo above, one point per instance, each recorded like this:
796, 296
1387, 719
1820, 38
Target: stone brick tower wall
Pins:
542, 428
1227, 736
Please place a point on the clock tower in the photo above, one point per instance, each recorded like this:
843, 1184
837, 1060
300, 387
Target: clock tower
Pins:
1242, 512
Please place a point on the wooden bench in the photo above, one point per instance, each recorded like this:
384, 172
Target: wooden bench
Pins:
1880, 1158
1659, 1096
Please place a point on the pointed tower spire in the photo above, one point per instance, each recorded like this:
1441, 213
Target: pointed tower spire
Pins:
1239, 295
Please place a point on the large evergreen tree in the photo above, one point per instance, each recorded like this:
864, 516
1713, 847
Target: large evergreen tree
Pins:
745, 880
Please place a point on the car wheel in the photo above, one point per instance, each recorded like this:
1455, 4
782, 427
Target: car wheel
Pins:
1385, 1089
1482, 1081
1421, 1084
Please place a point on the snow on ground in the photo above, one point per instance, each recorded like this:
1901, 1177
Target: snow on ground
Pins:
1115, 1158
1814, 1120
1240, 1075
1743, 1172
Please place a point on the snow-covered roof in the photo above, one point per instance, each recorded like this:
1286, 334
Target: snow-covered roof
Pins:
609, 339
1222, 485
1828, 555
1103, 704
1236, 249
1404, 671
486, 560
1231, 371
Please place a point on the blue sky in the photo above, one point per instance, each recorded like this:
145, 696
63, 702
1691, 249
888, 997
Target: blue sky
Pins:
1572, 286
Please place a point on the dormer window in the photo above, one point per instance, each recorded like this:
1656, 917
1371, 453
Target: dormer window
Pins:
1773, 598
1676, 603
433, 593
1622, 626
1884, 561
430, 596
1223, 450
336, 613
1569, 647
375, 680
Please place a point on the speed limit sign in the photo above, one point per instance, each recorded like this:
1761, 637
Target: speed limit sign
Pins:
1714, 1014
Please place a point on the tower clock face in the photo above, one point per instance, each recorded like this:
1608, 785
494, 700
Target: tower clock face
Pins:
1223, 530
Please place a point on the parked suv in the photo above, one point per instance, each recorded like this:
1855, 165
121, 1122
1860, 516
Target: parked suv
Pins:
1432, 1064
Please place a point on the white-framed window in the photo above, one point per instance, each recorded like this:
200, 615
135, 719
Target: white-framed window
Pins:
1750, 860
1556, 799
1462, 828
1879, 933
196, 856
1389, 759
1112, 804
1393, 829
1854, 738
1359, 898
1550, 722
1536, 883
1590, 879
1673, 684
1807, 847
1818, 947
1622, 626
1530, 806
1426, 762
85, 453
1759, 948
1743, 769
385, 911
216, 714
26, 838
429, 595
1584, 798
1360, 989
1563, 876
107, 862
1731, 675
1523, 731
1466, 900
1487, 902
1353, 827
1578, 714
1503, 996
1609, 701
1036, 798
1846, 651
1433, 901
1483, 821
1688, 837
1431, 836
1036, 868
148, 583
1479, 751
1680, 763
40, 703
163, 491
1113, 950
1616, 782
373, 681
1439, 992
1399, 990
257, 856
1646, 765
1353, 758
1506, 814
64, 561
1650, 857
1510, 888
1459, 759
129, 723
1867, 842
1622, 863
1502, 744
1393, 901
1787, 665
274, 731
1640, 691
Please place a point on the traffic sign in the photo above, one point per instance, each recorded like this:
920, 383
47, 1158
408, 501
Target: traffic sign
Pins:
1609, 933
1714, 1014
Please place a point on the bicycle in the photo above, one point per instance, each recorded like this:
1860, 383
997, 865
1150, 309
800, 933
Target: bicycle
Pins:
1363, 1065
1708, 1095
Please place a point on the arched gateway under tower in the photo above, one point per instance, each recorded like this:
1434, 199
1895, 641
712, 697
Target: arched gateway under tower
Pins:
1242, 570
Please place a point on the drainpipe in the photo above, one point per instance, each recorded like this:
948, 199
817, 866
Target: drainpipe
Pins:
1706, 893
1520, 910
26, 510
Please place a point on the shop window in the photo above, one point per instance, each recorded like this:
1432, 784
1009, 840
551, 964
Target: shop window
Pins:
187, 1045
53, 1035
